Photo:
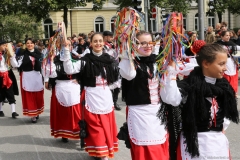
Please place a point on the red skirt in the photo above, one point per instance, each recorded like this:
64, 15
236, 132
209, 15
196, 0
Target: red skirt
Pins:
153, 152
233, 80
32, 102
64, 120
102, 134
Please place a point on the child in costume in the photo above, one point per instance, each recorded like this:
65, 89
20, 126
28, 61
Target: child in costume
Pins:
140, 91
97, 70
65, 100
202, 104
231, 74
7, 59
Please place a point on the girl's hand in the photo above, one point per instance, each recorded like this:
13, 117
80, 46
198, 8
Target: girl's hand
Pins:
172, 64
47, 86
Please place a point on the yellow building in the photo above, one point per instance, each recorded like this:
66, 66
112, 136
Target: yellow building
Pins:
83, 19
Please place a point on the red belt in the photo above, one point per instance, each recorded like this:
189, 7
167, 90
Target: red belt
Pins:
7, 82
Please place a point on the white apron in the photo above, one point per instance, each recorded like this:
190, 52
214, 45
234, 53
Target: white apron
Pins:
212, 146
67, 92
143, 125
32, 81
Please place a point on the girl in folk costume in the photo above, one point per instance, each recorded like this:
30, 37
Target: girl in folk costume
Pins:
31, 81
98, 70
192, 39
65, 99
231, 74
203, 104
140, 91
7, 59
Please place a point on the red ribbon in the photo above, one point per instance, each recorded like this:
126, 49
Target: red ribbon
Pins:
215, 107
7, 82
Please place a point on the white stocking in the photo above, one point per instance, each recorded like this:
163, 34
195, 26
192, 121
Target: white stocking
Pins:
104, 158
0, 106
13, 107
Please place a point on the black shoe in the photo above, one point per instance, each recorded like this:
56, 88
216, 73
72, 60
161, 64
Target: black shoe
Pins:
1, 114
14, 115
65, 140
37, 117
117, 107
97, 158
34, 120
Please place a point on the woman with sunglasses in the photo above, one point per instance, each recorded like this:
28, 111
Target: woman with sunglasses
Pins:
140, 91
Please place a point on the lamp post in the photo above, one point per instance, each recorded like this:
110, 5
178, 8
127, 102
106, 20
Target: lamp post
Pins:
201, 19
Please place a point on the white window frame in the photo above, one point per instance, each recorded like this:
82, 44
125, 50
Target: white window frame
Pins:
212, 21
153, 23
99, 24
112, 22
185, 19
196, 26
48, 29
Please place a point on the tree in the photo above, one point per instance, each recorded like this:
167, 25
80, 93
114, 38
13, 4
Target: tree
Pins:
39, 9
14, 27
234, 6
220, 6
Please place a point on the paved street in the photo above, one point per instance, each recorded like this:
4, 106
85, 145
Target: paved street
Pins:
22, 140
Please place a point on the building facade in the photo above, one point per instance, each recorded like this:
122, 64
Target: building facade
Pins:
191, 20
84, 20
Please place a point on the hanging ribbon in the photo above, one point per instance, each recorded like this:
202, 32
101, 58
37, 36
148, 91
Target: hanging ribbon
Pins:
172, 38
127, 25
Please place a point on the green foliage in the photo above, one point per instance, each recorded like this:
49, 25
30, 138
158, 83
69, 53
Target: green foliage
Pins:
234, 6
14, 27
220, 6
39, 9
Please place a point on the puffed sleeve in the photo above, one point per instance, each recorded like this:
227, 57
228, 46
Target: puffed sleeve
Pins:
69, 66
169, 91
126, 70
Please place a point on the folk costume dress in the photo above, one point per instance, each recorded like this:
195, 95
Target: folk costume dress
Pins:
65, 101
31, 82
140, 91
231, 74
196, 111
8, 80
97, 72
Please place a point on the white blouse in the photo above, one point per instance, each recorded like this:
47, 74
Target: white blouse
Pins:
98, 99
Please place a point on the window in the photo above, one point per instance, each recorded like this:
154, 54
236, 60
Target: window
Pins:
153, 24
99, 24
196, 22
164, 18
112, 23
48, 28
211, 20
185, 21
